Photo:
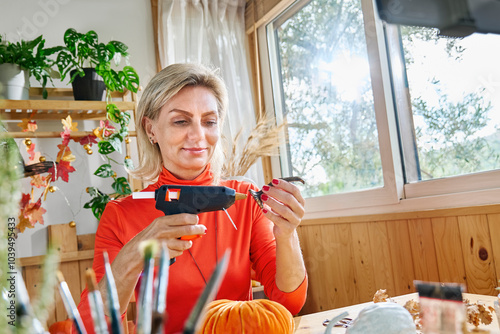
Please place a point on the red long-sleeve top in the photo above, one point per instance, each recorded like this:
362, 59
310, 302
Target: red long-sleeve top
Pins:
252, 246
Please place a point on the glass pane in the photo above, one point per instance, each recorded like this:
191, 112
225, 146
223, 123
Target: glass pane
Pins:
455, 95
327, 98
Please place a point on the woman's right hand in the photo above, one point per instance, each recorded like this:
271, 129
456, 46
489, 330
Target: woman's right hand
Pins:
171, 228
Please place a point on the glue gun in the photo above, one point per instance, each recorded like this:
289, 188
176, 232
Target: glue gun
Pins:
175, 199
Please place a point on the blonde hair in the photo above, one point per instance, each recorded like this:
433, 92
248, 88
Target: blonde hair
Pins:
164, 85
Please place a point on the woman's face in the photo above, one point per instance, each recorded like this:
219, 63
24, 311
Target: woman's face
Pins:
187, 131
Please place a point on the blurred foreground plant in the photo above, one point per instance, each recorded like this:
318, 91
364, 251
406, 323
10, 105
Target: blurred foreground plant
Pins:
10, 194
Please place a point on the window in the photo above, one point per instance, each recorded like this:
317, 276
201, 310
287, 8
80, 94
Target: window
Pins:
454, 103
327, 98
376, 113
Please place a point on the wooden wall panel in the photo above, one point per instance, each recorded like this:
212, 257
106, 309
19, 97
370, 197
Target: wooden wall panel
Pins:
364, 261
32, 280
328, 253
478, 254
70, 271
401, 256
423, 250
448, 247
339, 266
381, 253
347, 266
494, 226
314, 260
71, 266
64, 237
83, 266
85, 241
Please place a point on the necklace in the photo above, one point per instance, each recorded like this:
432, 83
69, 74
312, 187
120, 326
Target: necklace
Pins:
216, 253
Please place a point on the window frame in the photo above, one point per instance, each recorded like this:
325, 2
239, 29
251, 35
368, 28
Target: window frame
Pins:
394, 196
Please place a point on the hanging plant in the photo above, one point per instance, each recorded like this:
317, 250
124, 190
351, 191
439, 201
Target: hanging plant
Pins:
110, 140
98, 201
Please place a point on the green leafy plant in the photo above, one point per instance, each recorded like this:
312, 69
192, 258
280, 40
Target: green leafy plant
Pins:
98, 201
84, 50
10, 194
31, 56
111, 139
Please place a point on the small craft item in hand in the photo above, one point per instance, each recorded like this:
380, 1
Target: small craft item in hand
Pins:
256, 194
247, 317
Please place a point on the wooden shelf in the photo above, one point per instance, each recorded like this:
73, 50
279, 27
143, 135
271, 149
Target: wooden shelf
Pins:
54, 134
58, 109
59, 105
67, 93
63, 257
62, 106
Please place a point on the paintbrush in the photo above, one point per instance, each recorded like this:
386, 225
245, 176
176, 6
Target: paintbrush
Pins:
208, 294
69, 304
160, 285
145, 303
95, 302
113, 302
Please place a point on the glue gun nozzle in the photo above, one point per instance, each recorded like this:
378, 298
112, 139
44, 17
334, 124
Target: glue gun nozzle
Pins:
239, 196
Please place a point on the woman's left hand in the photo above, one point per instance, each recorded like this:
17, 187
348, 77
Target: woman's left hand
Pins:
284, 206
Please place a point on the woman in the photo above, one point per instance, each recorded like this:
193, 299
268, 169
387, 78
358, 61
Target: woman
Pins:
178, 125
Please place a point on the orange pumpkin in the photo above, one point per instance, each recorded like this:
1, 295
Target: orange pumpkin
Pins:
252, 316
61, 327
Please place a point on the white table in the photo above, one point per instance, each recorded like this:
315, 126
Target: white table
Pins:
313, 323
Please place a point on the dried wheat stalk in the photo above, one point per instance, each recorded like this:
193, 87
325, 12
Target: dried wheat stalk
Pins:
263, 141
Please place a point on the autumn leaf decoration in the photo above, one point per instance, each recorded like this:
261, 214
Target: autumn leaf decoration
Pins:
31, 210
64, 156
109, 139
28, 125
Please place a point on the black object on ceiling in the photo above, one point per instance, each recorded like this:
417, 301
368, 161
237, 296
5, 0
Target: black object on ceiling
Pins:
454, 18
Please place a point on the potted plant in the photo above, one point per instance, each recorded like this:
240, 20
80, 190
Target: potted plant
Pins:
83, 57
19, 61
